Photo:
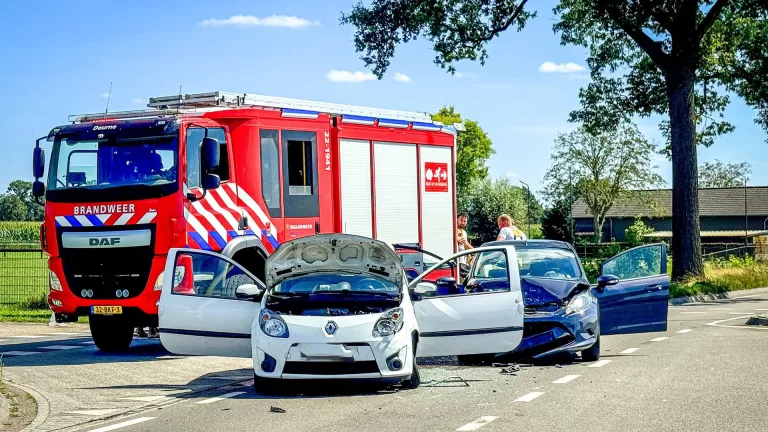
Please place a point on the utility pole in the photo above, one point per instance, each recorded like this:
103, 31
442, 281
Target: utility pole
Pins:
528, 205
746, 217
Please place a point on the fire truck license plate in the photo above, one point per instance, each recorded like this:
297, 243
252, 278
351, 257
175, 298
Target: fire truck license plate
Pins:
106, 310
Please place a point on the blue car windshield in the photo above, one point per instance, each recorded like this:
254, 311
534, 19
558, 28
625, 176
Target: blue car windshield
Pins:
552, 263
106, 163
317, 283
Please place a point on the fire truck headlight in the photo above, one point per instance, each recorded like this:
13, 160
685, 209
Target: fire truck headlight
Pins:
159, 281
55, 283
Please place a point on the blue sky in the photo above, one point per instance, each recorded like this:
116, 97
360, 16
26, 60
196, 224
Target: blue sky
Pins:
61, 57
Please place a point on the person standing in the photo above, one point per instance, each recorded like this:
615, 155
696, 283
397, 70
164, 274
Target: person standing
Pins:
462, 240
508, 230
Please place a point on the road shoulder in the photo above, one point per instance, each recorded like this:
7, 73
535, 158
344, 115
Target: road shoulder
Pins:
17, 408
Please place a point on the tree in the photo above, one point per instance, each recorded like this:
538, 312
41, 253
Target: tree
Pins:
635, 233
667, 50
473, 148
722, 175
556, 224
488, 199
22, 190
602, 169
12, 208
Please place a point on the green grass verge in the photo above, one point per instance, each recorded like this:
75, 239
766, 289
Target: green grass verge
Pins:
724, 276
20, 314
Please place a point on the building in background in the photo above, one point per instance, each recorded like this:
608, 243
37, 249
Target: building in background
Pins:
728, 216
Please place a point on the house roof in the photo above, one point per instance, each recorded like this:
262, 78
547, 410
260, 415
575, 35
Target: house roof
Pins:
712, 202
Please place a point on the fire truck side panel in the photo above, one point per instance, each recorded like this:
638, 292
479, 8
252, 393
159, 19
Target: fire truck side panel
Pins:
396, 185
437, 199
355, 174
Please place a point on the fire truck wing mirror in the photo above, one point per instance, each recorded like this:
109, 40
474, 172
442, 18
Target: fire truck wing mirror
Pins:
210, 155
38, 189
211, 181
38, 162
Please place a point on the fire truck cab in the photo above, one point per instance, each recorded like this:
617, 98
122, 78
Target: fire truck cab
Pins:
233, 173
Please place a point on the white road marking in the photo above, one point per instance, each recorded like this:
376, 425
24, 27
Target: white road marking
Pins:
659, 339
717, 323
60, 347
529, 397
683, 331
144, 398
629, 350
19, 353
718, 309
746, 296
222, 397
65, 334
691, 313
477, 424
27, 337
761, 309
88, 343
565, 379
96, 412
122, 425
741, 313
599, 363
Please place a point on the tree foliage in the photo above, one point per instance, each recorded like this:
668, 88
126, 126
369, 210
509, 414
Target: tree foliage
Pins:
722, 175
556, 223
602, 169
635, 233
473, 148
18, 204
488, 199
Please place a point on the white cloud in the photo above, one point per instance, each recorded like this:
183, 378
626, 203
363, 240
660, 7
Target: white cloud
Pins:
570, 67
458, 74
402, 77
104, 95
137, 100
512, 174
349, 76
253, 21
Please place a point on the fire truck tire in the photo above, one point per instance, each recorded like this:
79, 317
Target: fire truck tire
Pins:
111, 333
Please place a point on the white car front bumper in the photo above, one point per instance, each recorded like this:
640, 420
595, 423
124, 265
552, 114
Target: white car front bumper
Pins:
352, 352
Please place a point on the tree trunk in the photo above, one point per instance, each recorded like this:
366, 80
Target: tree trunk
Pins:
686, 236
597, 224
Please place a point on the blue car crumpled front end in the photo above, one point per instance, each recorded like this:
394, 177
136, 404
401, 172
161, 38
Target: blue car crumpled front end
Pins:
556, 321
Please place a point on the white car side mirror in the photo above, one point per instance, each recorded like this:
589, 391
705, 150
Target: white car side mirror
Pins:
248, 291
425, 288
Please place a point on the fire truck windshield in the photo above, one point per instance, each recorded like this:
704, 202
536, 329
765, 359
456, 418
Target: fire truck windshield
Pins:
109, 163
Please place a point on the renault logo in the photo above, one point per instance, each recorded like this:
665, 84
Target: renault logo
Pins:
331, 327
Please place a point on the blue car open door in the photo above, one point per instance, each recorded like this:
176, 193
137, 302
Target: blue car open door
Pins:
638, 302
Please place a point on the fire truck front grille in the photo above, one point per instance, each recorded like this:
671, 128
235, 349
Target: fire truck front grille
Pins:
100, 274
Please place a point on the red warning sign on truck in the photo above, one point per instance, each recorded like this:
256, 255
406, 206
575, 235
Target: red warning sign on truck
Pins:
436, 177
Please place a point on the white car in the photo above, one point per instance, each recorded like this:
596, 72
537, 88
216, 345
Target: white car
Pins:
334, 306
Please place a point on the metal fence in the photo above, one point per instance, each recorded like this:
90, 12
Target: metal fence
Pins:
23, 273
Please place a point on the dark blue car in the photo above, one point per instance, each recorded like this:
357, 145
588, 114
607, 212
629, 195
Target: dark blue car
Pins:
564, 313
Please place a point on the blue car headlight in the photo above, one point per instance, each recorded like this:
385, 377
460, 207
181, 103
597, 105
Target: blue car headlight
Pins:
578, 303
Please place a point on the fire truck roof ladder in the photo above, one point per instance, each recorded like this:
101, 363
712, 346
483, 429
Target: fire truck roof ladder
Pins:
233, 100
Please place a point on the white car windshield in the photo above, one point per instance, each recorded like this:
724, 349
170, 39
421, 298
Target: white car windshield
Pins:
332, 283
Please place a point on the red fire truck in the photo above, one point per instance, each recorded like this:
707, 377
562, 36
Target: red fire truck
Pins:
235, 173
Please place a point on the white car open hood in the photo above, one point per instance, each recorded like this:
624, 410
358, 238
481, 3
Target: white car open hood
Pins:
333, 252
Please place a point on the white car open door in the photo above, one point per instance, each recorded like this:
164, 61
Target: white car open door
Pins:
480, 314
207, 305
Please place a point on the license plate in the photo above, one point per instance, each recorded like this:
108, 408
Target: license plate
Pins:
106, 310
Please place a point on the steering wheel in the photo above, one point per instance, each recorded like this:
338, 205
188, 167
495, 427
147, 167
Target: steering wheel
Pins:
555, 271
369, 284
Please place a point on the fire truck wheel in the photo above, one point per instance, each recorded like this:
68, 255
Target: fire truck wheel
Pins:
111, 333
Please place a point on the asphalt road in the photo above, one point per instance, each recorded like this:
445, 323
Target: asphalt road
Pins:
706, 373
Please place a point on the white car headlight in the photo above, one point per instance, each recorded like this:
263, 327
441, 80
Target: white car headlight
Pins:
390, 323
55, 283
272, 324
578, 303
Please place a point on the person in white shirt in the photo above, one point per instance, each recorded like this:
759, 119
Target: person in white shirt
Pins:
508, 230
